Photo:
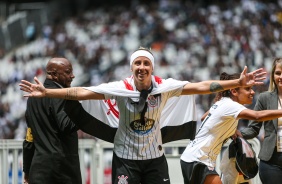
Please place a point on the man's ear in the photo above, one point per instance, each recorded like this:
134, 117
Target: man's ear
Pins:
54, 75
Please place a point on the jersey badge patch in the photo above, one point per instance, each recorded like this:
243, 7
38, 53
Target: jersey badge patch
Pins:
122, 179
152, 101
29, 137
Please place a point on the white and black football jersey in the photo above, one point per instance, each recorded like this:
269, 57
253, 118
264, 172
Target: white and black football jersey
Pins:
219, 124
139, 137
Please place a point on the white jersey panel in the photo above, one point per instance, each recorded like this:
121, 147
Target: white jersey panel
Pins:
219, 124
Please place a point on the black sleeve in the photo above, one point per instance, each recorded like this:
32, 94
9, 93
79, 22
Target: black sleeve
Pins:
64, 123
28, 151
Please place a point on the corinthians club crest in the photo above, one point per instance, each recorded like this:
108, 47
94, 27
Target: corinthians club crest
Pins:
122, 179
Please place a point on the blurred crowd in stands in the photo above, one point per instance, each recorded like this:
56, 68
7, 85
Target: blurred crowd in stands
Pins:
189, 42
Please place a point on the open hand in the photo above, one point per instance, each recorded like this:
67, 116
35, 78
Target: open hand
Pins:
33, 90
253, 78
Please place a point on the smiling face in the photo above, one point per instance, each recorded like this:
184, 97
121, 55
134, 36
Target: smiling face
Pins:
142, 70
277, 76
243, 95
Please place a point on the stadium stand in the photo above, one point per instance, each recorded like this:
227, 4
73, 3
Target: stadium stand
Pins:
189, 42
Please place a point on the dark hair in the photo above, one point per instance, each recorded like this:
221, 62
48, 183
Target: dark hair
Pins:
226, 93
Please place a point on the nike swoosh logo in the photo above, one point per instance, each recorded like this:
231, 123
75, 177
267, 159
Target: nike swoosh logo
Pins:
166, 179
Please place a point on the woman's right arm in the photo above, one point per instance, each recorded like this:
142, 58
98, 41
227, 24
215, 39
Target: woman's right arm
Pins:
254, 126
73, 93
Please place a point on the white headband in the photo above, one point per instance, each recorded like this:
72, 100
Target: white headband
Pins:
139, 53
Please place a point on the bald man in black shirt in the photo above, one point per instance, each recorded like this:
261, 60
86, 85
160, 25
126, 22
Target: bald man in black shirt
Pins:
50, 150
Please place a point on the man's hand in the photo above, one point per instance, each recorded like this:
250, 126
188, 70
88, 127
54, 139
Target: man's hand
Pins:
34, 90
253, 78
25, 178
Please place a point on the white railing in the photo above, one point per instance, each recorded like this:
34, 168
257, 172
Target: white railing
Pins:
95, 161
11, 161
